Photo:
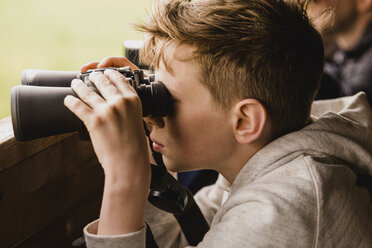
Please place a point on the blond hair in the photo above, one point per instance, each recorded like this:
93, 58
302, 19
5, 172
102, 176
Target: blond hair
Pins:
261, 49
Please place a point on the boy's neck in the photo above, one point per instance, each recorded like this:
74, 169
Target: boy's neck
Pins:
231, 168
242, 153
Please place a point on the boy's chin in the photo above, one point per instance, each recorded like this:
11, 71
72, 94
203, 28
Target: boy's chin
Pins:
174, 166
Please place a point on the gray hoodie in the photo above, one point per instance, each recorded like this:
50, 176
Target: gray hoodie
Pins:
298, 191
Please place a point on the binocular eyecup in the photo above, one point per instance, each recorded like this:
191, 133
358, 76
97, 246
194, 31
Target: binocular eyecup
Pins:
37, 107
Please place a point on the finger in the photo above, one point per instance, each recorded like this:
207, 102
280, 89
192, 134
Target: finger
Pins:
116, 62
107, 89
120, 82
86, 94
76, 106
89, 65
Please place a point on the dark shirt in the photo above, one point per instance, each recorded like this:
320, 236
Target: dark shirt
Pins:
347, 73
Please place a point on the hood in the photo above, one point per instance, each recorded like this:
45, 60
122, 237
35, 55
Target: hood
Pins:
341, 129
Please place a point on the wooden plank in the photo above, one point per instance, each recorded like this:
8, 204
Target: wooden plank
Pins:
44, 183
12, 151
66, 229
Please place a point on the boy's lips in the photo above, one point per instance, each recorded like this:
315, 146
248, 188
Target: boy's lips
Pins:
155, 145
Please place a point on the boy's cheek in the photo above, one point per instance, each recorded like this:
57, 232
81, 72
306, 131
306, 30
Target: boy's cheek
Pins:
147, 124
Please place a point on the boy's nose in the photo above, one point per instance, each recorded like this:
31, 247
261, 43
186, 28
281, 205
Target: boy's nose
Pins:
154, 121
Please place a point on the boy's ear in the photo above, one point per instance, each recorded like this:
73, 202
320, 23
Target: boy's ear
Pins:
249, 120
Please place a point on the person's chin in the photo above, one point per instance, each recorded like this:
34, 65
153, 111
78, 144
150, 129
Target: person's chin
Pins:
172, 165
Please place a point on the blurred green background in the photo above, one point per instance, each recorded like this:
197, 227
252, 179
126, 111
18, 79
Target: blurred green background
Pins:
61, 35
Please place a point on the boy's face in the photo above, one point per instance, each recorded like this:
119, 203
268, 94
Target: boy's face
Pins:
198, 135
344, 12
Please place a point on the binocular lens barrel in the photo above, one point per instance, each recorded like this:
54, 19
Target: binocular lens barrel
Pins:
37, 77
38, 110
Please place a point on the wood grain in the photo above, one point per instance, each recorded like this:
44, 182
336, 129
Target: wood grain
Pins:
49, 189
12, 151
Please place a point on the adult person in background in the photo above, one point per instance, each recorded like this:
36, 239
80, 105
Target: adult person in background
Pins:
348, 39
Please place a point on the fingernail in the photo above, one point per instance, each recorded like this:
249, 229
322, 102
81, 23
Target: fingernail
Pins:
74, 82
108, 71
68, 99
94, 74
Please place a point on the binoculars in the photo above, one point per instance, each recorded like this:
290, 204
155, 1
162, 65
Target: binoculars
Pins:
37, 107
38, 110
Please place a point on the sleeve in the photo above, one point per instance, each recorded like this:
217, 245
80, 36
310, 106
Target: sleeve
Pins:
136, 239
164, 226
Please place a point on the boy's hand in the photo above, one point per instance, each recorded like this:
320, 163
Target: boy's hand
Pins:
119, 61
108, 62
114, 122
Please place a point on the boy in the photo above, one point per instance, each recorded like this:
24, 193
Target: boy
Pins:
243, 75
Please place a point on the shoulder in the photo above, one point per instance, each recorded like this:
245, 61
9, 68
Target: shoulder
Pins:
298, 204
278, 209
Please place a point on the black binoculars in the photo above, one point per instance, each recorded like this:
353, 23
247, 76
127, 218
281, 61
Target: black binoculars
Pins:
37, 107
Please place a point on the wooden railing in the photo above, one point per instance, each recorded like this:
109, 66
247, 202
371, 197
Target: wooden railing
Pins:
50, 189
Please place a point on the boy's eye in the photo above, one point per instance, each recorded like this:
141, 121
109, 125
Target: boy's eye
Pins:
173, 99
